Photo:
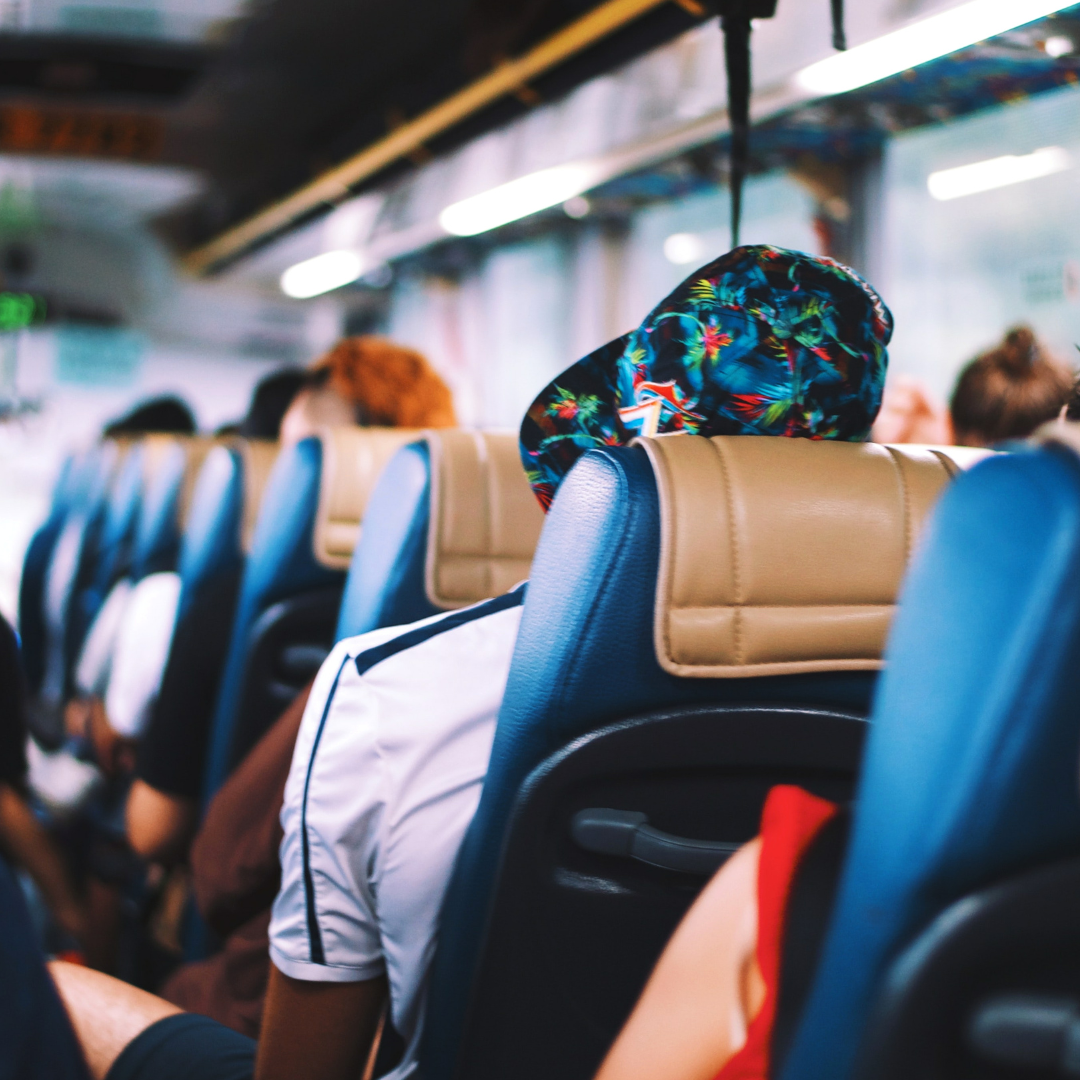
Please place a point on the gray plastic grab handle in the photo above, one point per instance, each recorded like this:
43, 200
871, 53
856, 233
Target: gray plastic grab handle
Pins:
1028, 1031
627, 833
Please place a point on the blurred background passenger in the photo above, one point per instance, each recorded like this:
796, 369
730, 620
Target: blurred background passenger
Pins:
373, 382
911, 414
23, 839
164, 414
365, 380
270, 402
1008, 392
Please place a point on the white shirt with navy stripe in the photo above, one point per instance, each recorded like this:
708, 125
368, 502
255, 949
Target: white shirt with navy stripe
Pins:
385, 778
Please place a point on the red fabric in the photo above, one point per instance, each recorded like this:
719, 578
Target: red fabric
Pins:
789, 822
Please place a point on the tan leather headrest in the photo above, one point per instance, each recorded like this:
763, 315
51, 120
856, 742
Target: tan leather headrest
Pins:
195, 450
257, 457
784, 556
485, 520
353, 459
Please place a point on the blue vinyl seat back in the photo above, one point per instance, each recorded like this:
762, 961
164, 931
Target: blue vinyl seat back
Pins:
970, 772
585, 657
281, 564
108, 557
385, 586
452, 521
74, 475
156, 543
70, 564
211, 544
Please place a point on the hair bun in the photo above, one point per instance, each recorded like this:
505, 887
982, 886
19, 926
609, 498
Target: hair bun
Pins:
1020, 349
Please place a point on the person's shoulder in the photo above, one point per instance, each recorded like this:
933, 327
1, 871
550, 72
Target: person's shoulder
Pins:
371, 648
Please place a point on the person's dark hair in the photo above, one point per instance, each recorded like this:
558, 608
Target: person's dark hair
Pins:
1008, 392
159, 414
269, 403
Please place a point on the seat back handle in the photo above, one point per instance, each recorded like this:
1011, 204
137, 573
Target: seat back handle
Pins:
628, 834
1028, 1031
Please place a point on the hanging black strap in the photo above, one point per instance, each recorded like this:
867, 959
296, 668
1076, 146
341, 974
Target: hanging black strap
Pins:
839, 38
735, 16
737, 57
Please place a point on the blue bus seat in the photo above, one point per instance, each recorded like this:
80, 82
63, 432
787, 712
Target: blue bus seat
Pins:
74, 474
969, 788
290, 593
68, 568
487, 526
165, 505
705, 618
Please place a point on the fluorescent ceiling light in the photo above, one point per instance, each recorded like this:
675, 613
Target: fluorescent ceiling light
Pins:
921, 41
517, 199
995, 173
328, 271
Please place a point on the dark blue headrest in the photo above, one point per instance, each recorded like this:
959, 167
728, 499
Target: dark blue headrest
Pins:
970, 771
385, 586
584, 658
281, 564
211, 541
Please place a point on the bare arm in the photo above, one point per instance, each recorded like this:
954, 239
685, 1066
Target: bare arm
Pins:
25, 839
706, 988
318, 1031
105, 1012
159, 826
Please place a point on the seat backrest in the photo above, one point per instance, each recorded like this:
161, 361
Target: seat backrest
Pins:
71, 562
308, 523
169, 486
680, 573
487, 522
970, 772
74, 475
110, 558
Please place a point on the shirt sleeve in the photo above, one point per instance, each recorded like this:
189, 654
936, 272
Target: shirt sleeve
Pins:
92, 673
324, 927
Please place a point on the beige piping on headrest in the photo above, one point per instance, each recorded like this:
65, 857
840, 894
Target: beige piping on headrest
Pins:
784, 556
353, 460
257, 457
484, 520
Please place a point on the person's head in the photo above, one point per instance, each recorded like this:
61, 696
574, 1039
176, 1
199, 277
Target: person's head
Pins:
162, 414
373, 382
1008, 392
270, 402
762, 341
910, 414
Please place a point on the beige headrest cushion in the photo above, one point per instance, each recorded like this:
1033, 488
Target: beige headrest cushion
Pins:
195, 450
485, 520
353, 459
784, 556
257, 457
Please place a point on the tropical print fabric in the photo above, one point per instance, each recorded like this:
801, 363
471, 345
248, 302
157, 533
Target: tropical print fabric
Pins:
763, 341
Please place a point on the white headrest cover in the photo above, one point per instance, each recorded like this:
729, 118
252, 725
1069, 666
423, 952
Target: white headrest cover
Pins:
353, 459
485, 520
784, 556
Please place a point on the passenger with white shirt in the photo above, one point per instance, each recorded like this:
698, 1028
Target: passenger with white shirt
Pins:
394, 744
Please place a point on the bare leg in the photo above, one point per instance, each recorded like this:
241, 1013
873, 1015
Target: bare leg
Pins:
105, 1012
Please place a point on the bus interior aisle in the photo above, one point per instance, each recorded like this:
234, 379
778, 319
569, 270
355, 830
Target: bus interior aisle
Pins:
539, 538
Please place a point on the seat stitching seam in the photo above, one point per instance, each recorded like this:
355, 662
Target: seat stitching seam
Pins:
729, 497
